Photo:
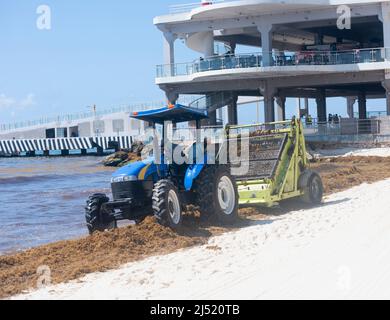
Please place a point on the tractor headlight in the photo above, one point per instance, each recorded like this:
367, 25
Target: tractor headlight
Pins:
123, 179
130, 178
116, 179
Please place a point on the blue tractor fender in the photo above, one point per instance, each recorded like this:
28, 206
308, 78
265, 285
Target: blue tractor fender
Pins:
192, 173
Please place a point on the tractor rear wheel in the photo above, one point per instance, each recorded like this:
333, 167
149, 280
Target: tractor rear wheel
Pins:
217, 194
167, 206
311, 185
97, 217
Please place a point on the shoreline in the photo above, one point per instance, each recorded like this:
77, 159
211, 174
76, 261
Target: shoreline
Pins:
70, 260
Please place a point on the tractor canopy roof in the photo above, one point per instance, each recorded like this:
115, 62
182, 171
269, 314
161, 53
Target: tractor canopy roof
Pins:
175, 113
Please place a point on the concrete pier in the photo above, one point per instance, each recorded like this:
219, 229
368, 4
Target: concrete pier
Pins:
64, 146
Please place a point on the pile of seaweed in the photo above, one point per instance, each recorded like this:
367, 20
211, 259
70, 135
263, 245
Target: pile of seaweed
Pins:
124, 157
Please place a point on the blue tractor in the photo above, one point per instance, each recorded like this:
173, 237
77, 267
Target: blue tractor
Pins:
164, 189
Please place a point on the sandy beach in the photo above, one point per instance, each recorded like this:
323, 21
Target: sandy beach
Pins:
339, 250
269, 250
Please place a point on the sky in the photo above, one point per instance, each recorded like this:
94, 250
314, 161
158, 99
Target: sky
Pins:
96, 52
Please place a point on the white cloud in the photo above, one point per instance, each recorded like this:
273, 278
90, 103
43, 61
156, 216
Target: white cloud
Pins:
29, 101
6, 102
10, 102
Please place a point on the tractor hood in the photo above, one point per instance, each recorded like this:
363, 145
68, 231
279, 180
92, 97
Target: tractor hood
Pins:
136, 171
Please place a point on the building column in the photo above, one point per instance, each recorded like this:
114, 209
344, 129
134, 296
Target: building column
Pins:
281, 108
269, 108
169, 48
350, 107
385, 18
171, 97
307, 113
266, 43
233, 112
220, 116
212, 121
169, 54
208, 41
362, 105
386, 85
321, 105
268, 93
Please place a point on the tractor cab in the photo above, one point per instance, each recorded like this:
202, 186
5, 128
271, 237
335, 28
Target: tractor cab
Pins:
174, 115
177, 147
177, 175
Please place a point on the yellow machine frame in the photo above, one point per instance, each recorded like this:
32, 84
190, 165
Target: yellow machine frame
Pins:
284, 184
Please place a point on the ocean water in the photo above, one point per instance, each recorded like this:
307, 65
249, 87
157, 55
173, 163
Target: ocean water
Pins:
42, 199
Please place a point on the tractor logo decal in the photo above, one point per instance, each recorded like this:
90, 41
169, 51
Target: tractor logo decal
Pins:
142, 174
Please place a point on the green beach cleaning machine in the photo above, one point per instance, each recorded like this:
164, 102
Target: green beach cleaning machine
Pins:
276, 169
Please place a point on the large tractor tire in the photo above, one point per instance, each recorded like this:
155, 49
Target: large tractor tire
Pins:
311, 184
167, 206
98, 218
217, 194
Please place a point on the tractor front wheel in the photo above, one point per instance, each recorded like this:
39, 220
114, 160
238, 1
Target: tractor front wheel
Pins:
167, 207
97, 217
217, 194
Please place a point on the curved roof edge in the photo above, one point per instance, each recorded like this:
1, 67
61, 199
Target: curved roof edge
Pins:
205, 11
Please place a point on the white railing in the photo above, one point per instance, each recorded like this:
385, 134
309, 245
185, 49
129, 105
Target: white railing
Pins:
144, 106
187, 7
348, 127
256, 60
80, 116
